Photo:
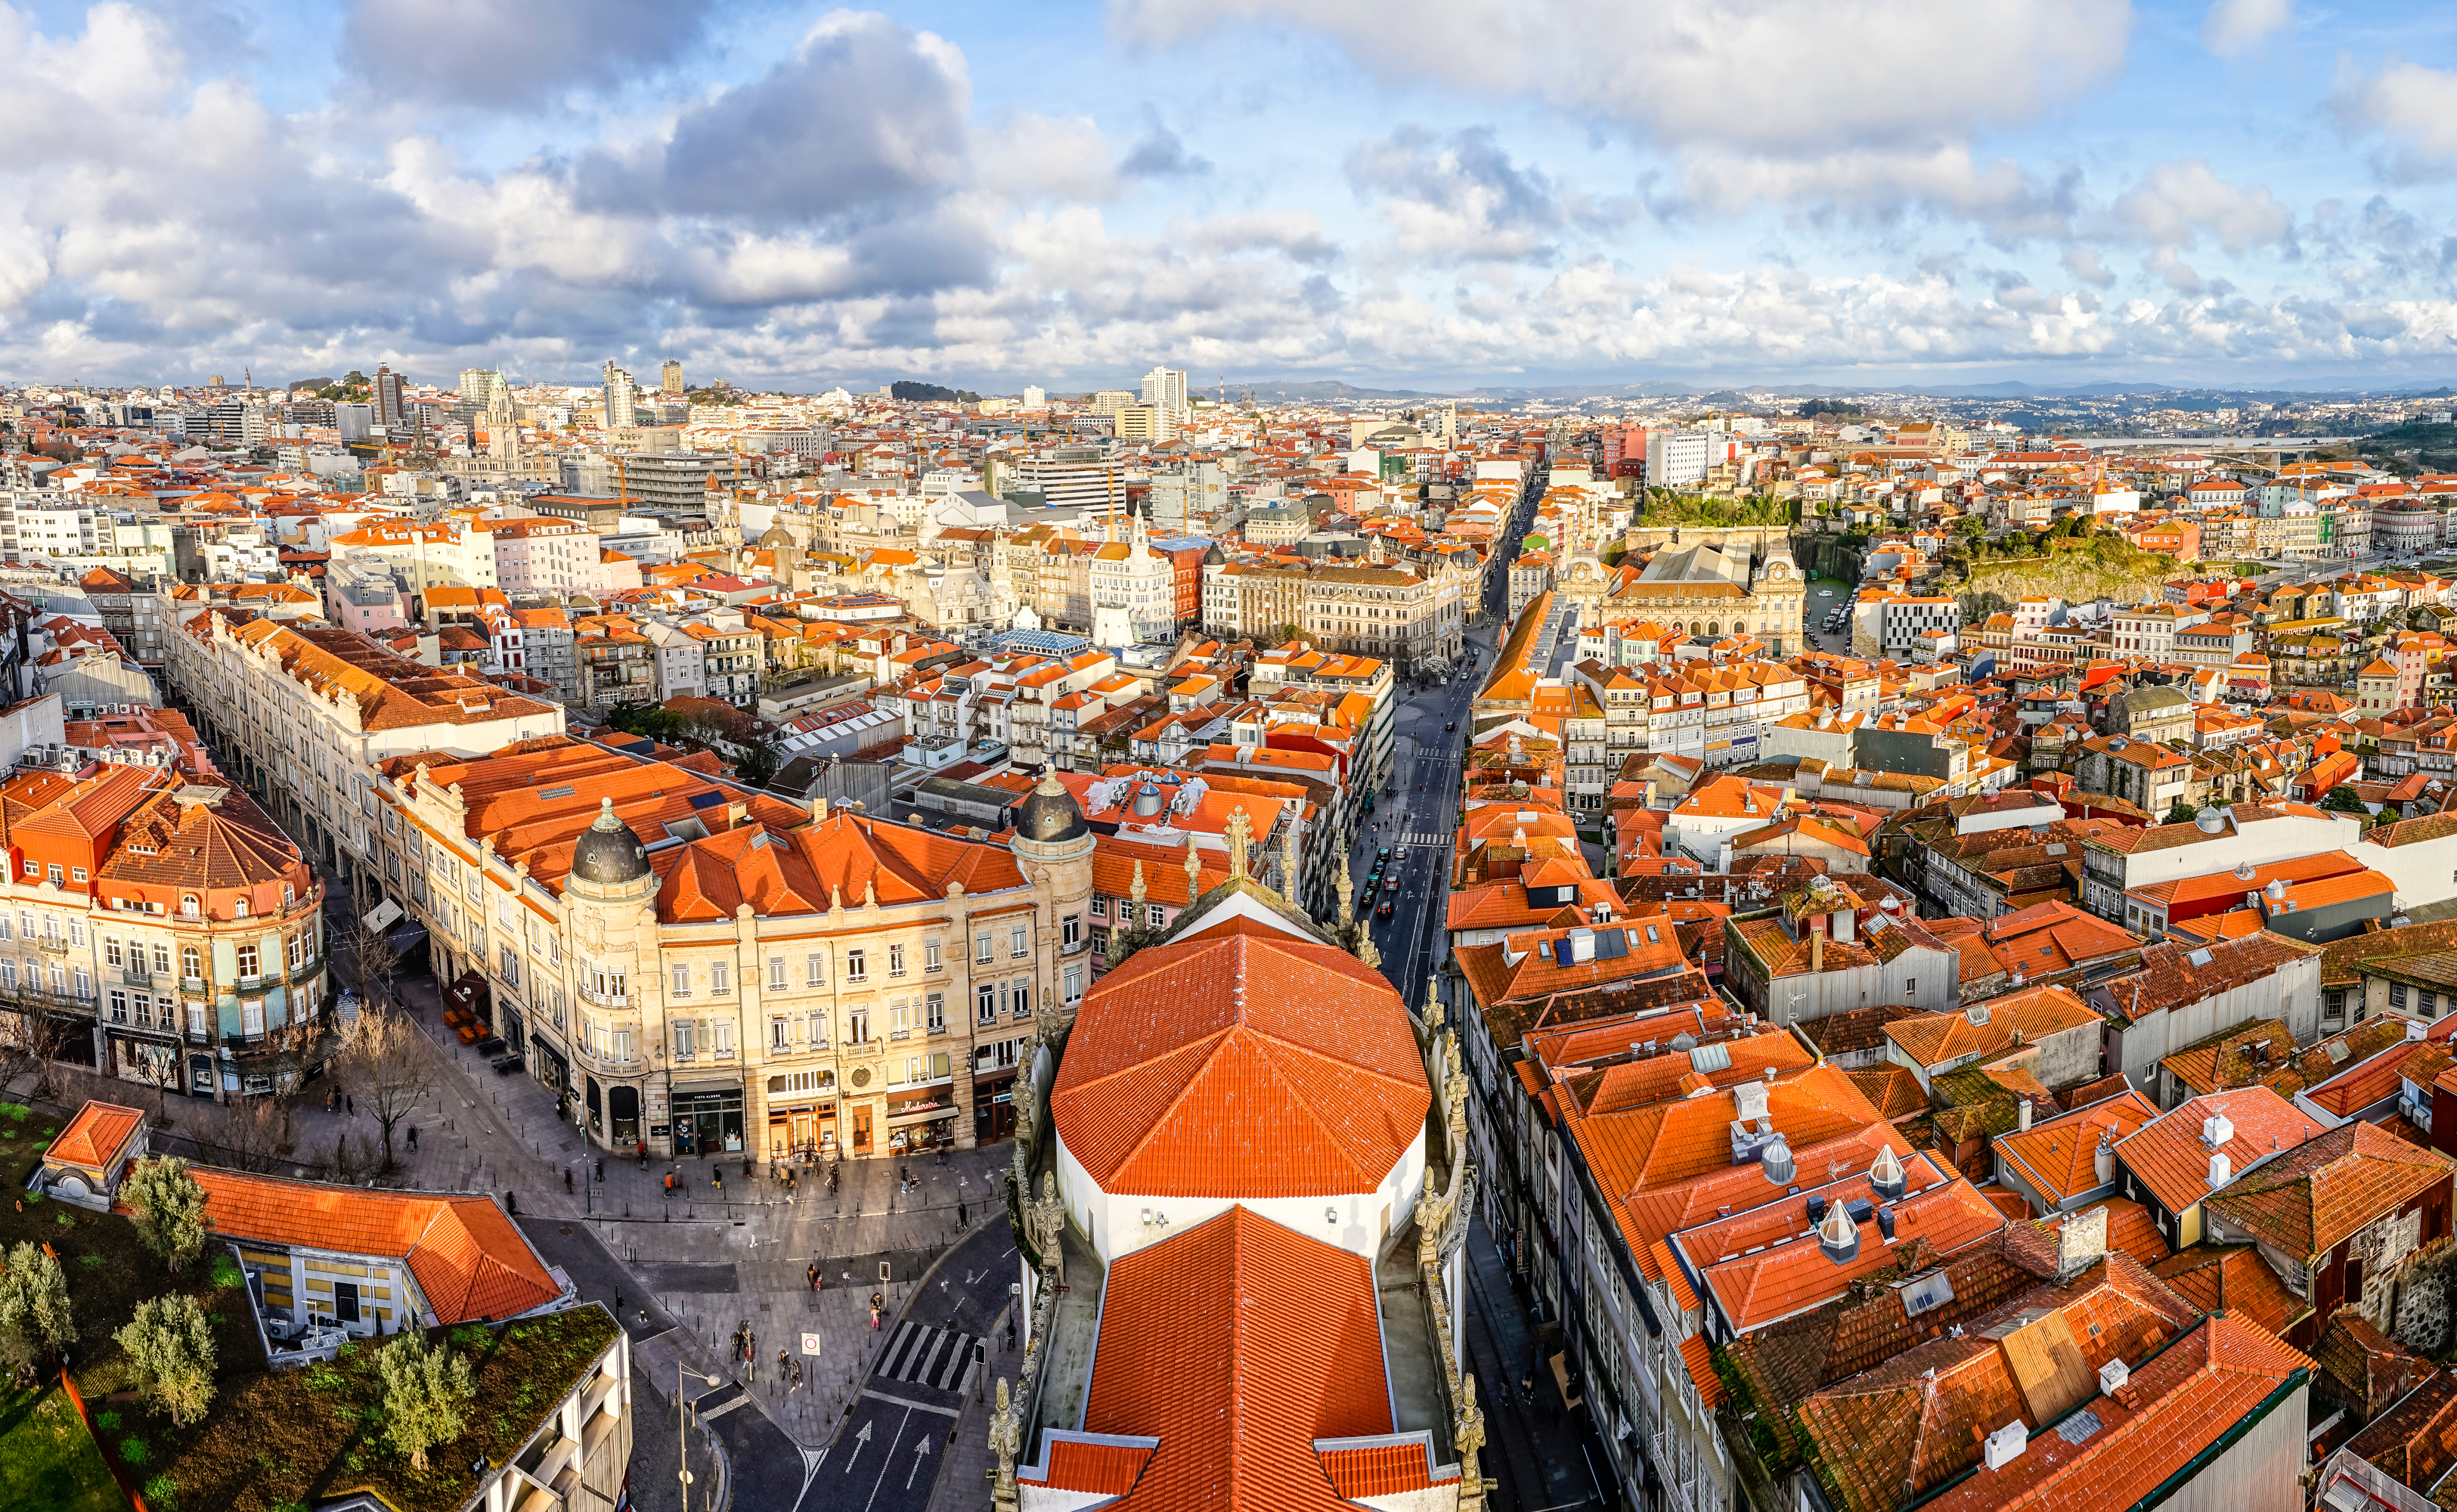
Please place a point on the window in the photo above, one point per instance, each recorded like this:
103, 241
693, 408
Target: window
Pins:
1101, 909
720, 979
345, 1301
84, 983
819, 1031
238, 907
1911, 987
2397, 994
251, 1018
189, 967
817, 968
1153, 915
187, 905
938, 1002
930, 955
686, 1039
985, 1003
775, 973
856, 966
247, 962
111, 953
721, 1032
857, 1026
899, 1022
1019, 994
76, 874
161, 957
981, 947
511, 966
682, 982
54, 877
776, 1031
896, 961
1073, 978
1070, 930
119, 1007
1017, 941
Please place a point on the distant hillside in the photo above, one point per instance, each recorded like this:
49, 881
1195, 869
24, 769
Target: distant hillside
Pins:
2105, 566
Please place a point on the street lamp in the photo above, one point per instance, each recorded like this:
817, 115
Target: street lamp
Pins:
682, 1422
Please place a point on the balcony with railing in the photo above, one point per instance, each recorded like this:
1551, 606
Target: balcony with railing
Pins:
136, 977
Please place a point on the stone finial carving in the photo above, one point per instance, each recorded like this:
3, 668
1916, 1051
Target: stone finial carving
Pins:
1047, 1219
1467, 1437
1023, 1135
1007, 1441
1288, 860
1136, 890
1240, 835
1194, 870
1346, 896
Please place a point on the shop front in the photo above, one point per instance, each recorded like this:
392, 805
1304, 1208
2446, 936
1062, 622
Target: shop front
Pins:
921, 1120
552, 1071
708, 1118
802, 1115
622, 1115
993, 1105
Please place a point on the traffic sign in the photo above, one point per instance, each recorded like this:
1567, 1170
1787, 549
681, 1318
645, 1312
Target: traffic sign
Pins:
810, 1343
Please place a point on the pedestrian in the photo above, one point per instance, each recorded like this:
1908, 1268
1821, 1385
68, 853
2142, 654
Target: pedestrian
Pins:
814, 1274
797, 1376
511, 1205
413, 1138
670, 1183
874, 1317
716, 1178
784, 1369
350, 1104
961, 1218
618, 1307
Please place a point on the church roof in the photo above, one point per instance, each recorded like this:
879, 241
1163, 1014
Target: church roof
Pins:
1241, 1062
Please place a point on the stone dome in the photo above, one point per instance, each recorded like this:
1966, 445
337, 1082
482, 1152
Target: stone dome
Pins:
2145, 700
608, 853
1051, 815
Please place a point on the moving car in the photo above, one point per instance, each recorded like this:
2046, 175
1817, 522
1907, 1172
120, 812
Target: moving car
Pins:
1382, 854
1450, 724
1384, 911
1390, 884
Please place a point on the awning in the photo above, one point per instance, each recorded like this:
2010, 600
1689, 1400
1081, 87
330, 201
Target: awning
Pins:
686, 1088
467, 989
383, 914
408, 938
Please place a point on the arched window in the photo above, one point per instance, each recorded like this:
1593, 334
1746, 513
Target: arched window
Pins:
289, 894
188, 908
238, 907
190, 966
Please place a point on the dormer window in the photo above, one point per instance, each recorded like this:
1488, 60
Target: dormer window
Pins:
239, 907
289, 894
188, 908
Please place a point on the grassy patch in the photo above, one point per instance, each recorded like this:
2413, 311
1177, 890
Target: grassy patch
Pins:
47, 1459
288, 1438
110, 1270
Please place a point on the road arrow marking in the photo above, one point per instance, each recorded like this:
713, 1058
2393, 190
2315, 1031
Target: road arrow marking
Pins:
858, 1439
920, 1451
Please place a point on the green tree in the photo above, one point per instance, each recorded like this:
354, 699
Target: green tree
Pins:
2341, 799
425, 1391
2182, 812
170, 1207
758, 764
35, 1315
172, 1350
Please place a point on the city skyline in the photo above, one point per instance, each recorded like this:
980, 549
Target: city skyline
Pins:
2241, 194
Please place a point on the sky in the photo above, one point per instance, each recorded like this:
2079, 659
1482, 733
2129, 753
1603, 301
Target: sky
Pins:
1441, 196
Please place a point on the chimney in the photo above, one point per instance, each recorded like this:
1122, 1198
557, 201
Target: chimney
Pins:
1816, 950
2102, 1161
2006, 1445
736, 814
2220, 1170
2022, 1117
2114, 1375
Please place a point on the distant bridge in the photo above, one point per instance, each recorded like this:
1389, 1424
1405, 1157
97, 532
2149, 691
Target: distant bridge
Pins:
2279, 443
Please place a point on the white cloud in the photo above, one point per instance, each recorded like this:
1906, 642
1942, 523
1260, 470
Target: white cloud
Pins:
2413, 106
2177, 202
1783, 77
2237, 26
511, 52
2083, 263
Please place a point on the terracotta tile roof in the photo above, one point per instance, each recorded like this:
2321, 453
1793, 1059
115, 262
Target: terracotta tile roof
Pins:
1700, 1358
95, 1136
2310, 1200
2235, 1278
1393, 1465
1238, 1344
2166, 1154
2057, 1156
199, 837
2371, 1368
2170, 978
2415, 1442
1915, 1421
1894, 1089
468, 1258
1853, 1029
2245, 1055
1763, 1266
1655, 1078
1240, 1065
2201, 1389
1930, 1039
2368, 1079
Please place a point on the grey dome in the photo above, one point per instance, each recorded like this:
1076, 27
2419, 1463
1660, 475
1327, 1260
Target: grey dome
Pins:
608, 853
2141, 700
1148, 800
1051, 815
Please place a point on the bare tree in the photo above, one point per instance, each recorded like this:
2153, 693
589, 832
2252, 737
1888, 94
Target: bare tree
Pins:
388, 1065
372, 958
159, 1068
255, 1135
32, 1039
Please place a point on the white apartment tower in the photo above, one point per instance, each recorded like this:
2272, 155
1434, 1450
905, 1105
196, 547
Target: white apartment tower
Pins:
619, 397
1164, 388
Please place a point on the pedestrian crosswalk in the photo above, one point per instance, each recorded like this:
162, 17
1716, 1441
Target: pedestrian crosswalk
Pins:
1422, 838
940, 1357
